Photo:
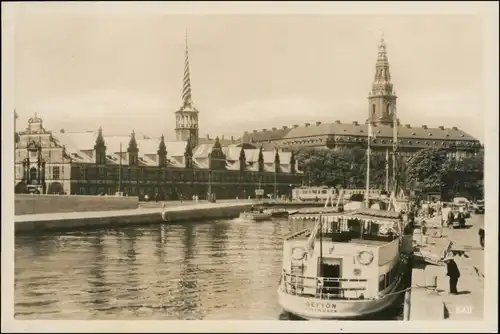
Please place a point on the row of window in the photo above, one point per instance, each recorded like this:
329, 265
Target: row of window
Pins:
52, 172
151, 191
163, 175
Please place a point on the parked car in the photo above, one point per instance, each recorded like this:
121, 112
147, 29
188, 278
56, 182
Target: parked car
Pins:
479, 207
464, 204
458, 223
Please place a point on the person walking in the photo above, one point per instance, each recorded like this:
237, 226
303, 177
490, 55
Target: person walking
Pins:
423, 227
453, 273
481, 237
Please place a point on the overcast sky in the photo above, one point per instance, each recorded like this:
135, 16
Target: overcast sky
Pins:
81, 68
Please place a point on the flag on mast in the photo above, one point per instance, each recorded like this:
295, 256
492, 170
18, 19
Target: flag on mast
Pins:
312, 239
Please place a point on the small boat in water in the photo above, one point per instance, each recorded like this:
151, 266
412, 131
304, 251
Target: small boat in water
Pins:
277, 213
255, 215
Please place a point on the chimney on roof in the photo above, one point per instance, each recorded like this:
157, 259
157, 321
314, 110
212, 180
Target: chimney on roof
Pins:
307, 125
441, 127
254, 131
208, 136
274, 129
295, 126
264, 130
222, 137
232, 139
318, 123
337, 122
245, 133
424, 127
285, 127
355, 123
62, 131
408, 126
454, 128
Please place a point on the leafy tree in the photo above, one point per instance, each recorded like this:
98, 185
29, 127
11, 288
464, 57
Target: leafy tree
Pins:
432, 170
464, 177
345, 167
429, 170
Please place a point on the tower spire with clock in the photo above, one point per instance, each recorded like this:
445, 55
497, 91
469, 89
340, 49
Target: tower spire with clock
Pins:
381, 99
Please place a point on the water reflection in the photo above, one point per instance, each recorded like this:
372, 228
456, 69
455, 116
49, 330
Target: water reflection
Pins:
96, 275
218, 240
186, 301
160, 240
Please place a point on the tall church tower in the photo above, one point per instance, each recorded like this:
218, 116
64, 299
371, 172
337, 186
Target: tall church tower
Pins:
186, 118
381, 100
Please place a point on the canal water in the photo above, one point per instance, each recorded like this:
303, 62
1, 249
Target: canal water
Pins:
222, 270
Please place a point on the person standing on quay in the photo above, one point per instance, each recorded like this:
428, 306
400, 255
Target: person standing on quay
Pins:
453, 272
481, 237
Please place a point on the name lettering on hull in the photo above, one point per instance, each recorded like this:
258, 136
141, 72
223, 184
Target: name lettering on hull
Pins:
322, 307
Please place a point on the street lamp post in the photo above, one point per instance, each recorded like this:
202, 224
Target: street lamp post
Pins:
120, 172
209, 185
275, 185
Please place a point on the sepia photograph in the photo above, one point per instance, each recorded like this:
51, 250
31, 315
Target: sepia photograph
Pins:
178, 163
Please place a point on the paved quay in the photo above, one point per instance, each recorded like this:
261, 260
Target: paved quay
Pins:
174, 211
427, 302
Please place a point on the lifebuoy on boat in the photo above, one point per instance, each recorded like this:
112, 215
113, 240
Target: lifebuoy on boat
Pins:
365, 257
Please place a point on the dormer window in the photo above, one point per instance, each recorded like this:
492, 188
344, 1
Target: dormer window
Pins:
413, 133
430, 134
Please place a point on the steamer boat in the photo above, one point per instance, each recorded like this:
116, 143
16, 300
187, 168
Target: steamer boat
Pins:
348, 262
347, 266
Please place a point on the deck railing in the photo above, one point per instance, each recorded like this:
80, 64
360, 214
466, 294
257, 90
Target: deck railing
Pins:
304, 286
297, 234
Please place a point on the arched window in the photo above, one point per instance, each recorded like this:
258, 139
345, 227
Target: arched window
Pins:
388, 109
33, 174
373, 110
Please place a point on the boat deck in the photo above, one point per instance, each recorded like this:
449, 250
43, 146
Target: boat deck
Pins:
368, 242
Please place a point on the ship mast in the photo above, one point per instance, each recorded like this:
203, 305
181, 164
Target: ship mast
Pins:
394, 149
368, 154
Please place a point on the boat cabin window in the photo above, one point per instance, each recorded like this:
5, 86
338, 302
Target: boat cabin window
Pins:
344, 229
386, 279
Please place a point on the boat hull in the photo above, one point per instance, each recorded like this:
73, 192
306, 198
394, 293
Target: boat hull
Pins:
277, 213
310, 308
255, 216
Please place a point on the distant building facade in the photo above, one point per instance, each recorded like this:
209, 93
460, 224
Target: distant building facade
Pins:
91, 163
382, 116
